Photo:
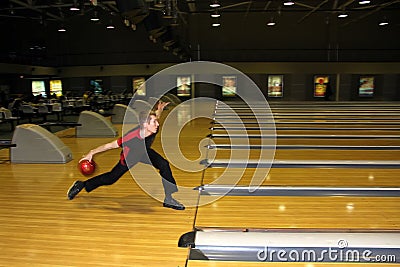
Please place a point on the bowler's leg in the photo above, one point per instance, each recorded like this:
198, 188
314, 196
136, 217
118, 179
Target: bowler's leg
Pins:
168, 180
91, 184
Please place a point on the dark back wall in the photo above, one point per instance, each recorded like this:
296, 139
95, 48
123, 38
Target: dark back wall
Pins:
298, 81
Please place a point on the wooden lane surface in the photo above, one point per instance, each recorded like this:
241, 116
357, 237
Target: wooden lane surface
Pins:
243, 212
303, 212
119, 225
122, 226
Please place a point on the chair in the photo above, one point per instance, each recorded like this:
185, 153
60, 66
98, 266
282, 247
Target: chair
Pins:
66, 106
78, 106
43, 110
57, 109
28, 112
10, 118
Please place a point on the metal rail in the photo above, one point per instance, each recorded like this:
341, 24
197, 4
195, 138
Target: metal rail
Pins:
311, 147
303, 136
369, 164
302, 191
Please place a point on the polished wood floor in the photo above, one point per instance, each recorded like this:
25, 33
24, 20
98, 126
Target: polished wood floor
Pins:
121, 225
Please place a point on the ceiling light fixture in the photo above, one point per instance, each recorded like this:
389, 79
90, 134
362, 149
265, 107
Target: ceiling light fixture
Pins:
95, 17
215, 4
384, 22
216, 24
110, 26
271, 22
215, 14
364, 2
343, 15
62, 29
288, 3
74, 7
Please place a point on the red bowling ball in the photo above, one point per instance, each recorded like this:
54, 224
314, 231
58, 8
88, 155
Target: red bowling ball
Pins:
87, 167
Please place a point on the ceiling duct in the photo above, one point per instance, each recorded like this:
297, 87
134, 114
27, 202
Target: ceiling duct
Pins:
153, 25
135, 10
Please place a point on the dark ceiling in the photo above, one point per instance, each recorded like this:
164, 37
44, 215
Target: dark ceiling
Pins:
59, 10
181, 30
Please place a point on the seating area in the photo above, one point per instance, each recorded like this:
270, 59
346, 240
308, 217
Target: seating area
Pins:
54, 112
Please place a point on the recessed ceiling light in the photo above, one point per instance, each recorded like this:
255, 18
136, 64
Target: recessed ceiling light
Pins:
215, 14
214, 4
95, 17
288, 3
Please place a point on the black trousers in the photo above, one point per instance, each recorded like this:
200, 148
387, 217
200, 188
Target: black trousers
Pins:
119, 169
